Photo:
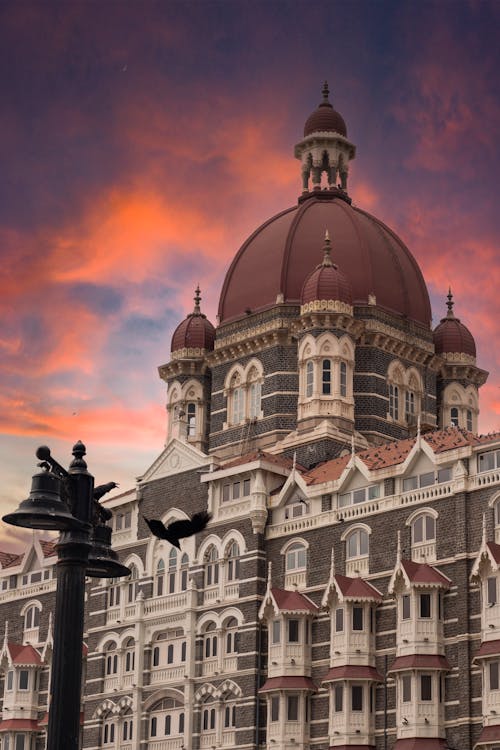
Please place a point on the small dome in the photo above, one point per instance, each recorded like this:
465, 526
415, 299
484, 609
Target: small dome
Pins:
451, 336
195, 331
326, 282
325, 118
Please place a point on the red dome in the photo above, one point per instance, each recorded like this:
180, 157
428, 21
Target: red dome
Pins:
325, 118
326, 282
452, 337
195, 331
273, 263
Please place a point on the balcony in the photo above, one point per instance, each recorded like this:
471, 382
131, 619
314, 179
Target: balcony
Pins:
176, 743
420, 719
167, 674
420, 636
424, 552
351, 727
296, 580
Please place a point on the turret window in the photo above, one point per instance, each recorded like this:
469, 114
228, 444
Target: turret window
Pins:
309, 379
255, 397
293, 631
426, 687
238, 406
494, 674
326, 377
454, 416
339, 620
276, 631
339, 698
293, 708
406, 606
343, 379
357, 618
275, 708
406, 688
357, 697
492, 591
469, 420
191, 420
10, 680
425, 605
23, 679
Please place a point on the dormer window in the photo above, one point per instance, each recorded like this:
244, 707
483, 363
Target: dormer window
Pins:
361, 495
488, 461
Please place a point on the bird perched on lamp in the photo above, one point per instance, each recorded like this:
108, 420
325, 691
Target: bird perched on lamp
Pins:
179, 529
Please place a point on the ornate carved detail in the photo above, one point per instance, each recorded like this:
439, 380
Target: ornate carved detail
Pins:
324, 305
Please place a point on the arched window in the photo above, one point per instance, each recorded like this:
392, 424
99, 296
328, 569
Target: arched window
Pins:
172, 570
160, 577
238, 405
212, 567
343, 379
393, 401
129, 655
32, 617
191, 419
326, 377
110, 659
423, 529
470, 423
357, 544
114, 592
454, 416
254, 394
210, 641
184, 571
309, 379
127, 728
108, 731
166, 719
409, 404
233, 562
296, 557
231, 628
132, 583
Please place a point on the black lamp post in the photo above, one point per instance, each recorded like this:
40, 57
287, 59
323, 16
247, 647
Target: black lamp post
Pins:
64, 501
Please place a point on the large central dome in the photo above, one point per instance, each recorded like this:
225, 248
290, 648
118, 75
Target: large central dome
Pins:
273, 263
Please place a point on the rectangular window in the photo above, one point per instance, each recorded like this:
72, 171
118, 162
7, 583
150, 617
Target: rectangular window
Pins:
406, 606
359, 496
236, 490
275, 708
10, 680
425, 605
410, 483
492, 591
339, 698
246, 487
293, 708
20, 741
373, 491
276, 631
444, 475
36, 577
127, 520
344, 499
440, 606
426, 687
119, 522
494, 675
23, 679
226, 493
293, 631
339, 620
327, 377
488, 461
406, 688
427, 479
357, 697
357, 618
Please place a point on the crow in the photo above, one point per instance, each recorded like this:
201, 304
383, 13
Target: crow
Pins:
179, 529
101, 489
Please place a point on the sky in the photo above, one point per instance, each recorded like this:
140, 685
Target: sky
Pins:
142, 142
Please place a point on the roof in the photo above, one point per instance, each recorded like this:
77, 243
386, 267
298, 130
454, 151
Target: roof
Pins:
195, 332
288, 683
25, 655
488, 648
292, 601
326, 282
356, 588
489, 734
48, 547
494, 549
421, 743
421, 573
420, 661
451, 336
353, 672
30, 725
374, 259
9, 559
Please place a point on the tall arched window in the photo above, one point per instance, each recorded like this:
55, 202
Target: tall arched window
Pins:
233, 562
394, 401
210, 641
160, 577
296, 557
326, 377
32, 618
357, 544
110, 659
129, 655
172, 570
423, 529
184, 572
191, 419
212, 567
231, 628
343, 379
132, 583
167, 718
127, 726
309, 379
254, 394
108, 730
454, 416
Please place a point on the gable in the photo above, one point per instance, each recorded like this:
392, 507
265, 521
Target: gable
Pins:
176, 458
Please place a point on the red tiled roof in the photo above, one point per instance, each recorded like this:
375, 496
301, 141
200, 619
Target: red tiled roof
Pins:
9, 559
420, 661
396, 451
352, 672
357, 588
48, 547
423, 573
293, 601
421, 743
488, 648
45, 719
30, 725
495, 551
490, 734
24, 654
288, 683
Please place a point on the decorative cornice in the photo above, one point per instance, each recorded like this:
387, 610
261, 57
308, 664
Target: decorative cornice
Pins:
326, 305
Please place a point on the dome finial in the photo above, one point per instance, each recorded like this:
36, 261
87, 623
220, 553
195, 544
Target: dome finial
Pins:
450, 303
325, 91
327, 249
197, 299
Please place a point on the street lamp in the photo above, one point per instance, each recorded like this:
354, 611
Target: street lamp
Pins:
64, 501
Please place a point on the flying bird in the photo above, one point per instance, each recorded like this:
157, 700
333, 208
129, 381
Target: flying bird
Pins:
101, 489
179, 529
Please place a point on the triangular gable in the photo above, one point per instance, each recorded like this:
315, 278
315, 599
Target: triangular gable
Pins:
294, 482
176, 458
487, 556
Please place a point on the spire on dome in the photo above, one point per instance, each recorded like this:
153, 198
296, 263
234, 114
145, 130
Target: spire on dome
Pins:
327, 249
450, 304
326, 93
197, 300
